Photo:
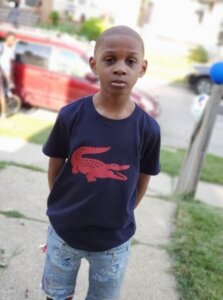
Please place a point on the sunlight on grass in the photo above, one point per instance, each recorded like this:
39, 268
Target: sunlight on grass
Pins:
26, 127
171, 162
167, 66
196, 247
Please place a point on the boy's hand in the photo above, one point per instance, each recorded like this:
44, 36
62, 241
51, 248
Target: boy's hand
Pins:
142, 185
54, 168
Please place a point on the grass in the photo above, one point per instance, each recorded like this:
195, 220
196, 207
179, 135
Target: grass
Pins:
4, 164
26, 127
171, 162
17, 215
166, 64
68, 28
196, 249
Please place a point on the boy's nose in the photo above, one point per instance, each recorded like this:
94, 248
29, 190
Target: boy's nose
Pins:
120, 69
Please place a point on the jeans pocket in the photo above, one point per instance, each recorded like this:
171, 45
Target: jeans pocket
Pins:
61, 254
119, 249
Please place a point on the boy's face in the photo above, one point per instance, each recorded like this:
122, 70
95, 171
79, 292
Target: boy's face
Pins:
10, 40
118, 62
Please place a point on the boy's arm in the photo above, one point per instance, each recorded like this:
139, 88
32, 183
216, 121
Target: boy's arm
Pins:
142, 185
54, 168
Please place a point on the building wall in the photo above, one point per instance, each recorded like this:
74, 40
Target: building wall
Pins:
45, 9
179, 20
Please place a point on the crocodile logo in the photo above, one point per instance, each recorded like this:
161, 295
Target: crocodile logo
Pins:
94, 168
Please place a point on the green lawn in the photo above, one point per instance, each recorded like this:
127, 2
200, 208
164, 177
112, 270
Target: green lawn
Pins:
36, 130
171, 162
196, 249
26, 127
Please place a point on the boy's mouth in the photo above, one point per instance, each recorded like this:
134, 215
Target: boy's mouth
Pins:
118, 83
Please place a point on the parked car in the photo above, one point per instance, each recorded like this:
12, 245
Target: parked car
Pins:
51, 72
199, 79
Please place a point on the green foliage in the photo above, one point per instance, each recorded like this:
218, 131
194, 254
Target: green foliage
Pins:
92, 28
54, 17
198, 54
197, 251
67, 27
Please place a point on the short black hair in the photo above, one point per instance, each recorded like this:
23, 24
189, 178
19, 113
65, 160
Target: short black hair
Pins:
10, 33
119, 29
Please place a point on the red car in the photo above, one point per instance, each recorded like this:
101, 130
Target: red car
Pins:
51, 72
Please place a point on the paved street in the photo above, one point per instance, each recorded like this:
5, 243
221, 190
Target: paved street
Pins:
176, 120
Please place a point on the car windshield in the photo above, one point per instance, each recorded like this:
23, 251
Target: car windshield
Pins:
68, 63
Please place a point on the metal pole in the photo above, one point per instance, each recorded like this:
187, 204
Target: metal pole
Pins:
190, 172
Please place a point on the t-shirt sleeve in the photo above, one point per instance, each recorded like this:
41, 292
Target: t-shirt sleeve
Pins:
57, 144
150, 157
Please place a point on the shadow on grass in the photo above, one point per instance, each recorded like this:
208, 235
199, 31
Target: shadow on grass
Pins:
41, 136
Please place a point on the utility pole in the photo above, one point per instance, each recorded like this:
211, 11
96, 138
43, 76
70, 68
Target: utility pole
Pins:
190, 172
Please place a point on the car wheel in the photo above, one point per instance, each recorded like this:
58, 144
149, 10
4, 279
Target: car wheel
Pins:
203, 86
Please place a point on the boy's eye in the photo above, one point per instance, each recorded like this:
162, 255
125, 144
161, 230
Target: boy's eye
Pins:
131, 61
109, 60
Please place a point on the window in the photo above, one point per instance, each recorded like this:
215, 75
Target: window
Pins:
68, 63
33, 54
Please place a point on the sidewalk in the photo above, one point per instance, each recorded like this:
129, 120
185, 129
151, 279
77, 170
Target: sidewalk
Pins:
24, 191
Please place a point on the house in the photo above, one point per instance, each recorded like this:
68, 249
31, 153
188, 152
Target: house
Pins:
30, 12
184, 20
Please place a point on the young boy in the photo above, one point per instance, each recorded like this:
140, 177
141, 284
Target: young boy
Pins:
102, 149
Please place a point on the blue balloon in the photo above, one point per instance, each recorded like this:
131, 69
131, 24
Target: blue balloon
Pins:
216, 73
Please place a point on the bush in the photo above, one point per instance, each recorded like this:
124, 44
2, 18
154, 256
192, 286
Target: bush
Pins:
198, 54
92, 28
54, 17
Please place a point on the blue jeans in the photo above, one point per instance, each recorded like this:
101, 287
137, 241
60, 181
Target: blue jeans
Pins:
106, 271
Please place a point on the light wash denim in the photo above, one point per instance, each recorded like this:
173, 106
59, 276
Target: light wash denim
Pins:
106, 271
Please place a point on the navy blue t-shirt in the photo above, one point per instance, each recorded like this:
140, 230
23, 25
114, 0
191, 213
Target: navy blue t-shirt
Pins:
91, 204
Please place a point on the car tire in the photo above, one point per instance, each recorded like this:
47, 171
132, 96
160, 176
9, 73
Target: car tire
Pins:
203, 86
13, 104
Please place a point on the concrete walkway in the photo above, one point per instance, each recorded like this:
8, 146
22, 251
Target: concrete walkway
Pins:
149, 276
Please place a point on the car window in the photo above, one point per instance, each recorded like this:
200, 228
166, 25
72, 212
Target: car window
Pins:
33, 54
69, 63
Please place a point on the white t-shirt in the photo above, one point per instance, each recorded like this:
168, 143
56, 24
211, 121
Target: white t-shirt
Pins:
7, 54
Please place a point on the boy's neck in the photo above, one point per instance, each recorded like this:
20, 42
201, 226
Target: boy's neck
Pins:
116, 108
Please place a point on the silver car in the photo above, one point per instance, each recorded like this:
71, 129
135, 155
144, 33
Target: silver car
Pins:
199, 79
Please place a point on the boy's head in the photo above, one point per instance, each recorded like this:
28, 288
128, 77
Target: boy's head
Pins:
10, 39
119, 31
118, 59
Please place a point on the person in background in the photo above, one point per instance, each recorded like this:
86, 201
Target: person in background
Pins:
13, 16
7, 56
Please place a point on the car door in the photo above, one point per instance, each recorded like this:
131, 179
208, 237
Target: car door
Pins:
68, 76
31, 73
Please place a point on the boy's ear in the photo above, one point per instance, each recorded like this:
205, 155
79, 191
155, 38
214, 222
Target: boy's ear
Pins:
92, 64
144, 68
